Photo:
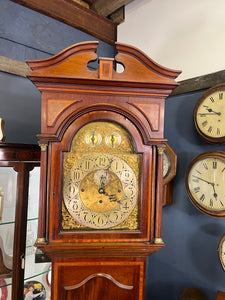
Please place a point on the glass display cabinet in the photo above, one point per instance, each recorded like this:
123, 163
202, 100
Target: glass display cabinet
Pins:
19, 196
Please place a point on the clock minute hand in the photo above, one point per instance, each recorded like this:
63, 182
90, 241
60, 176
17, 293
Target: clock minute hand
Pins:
209, 114
211, 183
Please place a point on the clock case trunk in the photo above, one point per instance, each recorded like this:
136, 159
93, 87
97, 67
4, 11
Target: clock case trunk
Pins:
73, 96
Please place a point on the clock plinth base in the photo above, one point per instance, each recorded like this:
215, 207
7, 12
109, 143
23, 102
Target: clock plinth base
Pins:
93, 279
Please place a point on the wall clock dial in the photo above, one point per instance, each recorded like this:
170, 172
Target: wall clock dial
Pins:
209, 115
169, 164
221, 251
205, 180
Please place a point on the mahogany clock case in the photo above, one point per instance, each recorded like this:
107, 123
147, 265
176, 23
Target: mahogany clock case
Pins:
74, 98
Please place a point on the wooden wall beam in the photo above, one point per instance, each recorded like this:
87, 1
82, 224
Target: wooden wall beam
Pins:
107, 7
13, 66
75, 15
199, 83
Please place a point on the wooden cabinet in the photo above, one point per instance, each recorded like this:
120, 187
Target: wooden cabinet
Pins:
16, 162
101, 169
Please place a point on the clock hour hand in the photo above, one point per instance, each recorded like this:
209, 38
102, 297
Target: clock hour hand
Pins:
211, 183
112, 197
210, 111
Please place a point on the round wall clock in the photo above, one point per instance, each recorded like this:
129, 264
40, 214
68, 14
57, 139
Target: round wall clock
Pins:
209, 115
169, 164
221, 251
205, 180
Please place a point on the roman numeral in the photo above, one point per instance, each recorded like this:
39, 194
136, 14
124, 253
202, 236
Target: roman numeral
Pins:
214, 164
205, 165
218, 131
197, 189
210, 129
220, 96
204, 123
202, 198
212, 100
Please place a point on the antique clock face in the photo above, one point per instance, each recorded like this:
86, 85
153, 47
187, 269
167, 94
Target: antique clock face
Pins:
205, 180
169, 164
100, 191
166, 164
209, 115
221, 251
101, 186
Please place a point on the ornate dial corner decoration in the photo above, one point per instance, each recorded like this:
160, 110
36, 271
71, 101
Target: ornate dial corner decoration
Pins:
55, 107
95, 275
151, 112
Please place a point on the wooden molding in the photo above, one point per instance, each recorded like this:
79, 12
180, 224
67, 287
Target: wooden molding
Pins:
13, 66
75, 15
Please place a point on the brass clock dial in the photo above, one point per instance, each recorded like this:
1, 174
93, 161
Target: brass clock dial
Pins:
209, 115
100, 191
221, 251
93, 138
205, 181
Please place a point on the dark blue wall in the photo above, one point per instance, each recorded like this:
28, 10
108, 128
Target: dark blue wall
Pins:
190, 257
26, 34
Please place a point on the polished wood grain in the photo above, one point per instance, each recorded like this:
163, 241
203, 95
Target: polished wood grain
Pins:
220, 295
73, 96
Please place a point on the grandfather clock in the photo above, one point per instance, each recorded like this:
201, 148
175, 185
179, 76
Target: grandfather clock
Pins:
101, 190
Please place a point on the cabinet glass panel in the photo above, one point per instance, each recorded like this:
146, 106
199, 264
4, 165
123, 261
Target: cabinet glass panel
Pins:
8, 185
36, 280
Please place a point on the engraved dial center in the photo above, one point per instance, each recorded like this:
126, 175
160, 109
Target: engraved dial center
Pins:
101, 191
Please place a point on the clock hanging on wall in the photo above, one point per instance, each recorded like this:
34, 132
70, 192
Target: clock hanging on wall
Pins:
221, 251
205, 182
209, 115
101, 186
